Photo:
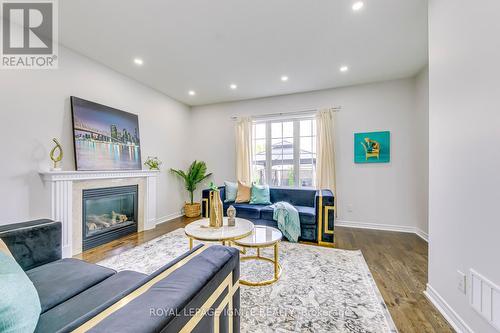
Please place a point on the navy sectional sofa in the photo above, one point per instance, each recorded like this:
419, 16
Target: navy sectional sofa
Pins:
316, 211
73, 292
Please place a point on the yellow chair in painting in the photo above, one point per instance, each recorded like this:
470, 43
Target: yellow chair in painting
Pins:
372, 148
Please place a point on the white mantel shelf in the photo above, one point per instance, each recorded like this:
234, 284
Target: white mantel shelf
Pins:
52, 176
60, 184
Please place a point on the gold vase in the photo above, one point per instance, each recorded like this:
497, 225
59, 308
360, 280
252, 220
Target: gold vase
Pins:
216, 210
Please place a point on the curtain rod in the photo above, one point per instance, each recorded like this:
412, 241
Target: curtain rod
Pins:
293, 113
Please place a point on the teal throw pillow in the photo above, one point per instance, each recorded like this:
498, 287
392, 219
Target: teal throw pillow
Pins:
19, 301
260, 195
231, 191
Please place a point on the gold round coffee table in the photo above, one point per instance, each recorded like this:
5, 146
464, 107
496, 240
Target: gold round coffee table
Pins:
262, 237
200, 230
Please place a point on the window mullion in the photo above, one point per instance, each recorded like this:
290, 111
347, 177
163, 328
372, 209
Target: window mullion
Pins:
296, 152
268, 153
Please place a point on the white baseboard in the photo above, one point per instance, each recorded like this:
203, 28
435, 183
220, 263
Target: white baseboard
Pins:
386, 227
422, 234
377, 226
448, 313
168, 217
338, 223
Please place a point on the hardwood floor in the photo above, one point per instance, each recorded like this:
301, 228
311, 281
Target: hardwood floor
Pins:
398, 263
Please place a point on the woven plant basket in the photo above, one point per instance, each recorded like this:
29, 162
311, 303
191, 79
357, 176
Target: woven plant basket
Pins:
192, 210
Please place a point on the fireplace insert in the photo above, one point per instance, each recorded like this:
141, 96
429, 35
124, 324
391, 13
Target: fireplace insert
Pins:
108, 214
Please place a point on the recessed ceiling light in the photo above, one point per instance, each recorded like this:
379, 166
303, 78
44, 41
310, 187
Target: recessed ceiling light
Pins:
138, 61
357, 6
344, 69
284, 78
191, 92
233, 86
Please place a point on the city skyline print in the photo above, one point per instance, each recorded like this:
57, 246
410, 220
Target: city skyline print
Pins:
105, 138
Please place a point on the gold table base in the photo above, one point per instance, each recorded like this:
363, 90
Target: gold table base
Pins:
274, 261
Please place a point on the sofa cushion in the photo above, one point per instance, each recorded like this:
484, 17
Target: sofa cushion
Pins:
248, 211
244, 192
307, 215
260, 195
294, 196
231, 191
60, 280
19, 303
77, 310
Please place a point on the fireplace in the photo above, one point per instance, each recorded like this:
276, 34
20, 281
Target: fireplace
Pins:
108, 214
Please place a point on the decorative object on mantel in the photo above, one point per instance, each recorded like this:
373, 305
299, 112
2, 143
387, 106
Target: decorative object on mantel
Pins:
194, 175
56, 155
231, 214
153, 163
373, 147
216, 217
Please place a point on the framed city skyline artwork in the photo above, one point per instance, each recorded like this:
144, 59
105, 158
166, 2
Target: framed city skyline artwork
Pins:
372, 147
104, 138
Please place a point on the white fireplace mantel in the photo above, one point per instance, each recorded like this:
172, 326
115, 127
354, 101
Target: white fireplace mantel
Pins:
61, 197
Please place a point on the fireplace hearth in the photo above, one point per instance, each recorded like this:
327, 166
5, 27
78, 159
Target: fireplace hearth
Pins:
108, 214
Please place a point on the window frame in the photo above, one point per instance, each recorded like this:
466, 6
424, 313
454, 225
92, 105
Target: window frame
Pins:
296, 148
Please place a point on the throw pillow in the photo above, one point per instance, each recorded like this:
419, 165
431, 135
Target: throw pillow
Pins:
4, 248
243, 193
20, 305
231, 191
260, 195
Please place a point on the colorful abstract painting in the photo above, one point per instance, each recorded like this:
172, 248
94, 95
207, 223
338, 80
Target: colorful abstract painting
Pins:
372, 147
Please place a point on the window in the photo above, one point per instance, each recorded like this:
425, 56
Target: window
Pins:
284, 152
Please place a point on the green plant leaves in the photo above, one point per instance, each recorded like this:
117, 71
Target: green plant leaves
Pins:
195, 175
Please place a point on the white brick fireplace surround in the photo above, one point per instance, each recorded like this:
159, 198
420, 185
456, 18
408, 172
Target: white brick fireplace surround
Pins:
66, 194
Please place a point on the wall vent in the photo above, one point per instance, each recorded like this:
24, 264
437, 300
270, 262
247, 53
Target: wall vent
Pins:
485, 298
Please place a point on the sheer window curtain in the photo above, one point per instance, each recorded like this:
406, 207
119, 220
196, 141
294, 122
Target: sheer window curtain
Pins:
325, 147
244, 149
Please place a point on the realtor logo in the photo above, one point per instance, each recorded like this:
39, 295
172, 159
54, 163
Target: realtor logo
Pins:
29, 38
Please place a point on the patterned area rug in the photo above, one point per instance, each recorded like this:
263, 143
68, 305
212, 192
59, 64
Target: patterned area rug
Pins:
320, 289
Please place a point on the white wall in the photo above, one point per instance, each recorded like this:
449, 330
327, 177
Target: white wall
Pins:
464, 171
35, 107
379, 193
422, 149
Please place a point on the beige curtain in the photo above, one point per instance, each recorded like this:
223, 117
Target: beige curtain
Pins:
244, 150
325, 159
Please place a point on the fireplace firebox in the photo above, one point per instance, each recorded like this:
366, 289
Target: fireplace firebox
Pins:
108, 214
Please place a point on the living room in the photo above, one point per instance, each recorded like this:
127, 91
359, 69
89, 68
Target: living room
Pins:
249, 166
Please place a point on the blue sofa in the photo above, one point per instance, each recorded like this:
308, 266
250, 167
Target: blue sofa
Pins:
316, 211
72, 291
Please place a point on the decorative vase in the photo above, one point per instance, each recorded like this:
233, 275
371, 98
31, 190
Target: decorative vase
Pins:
192, 210
216, 210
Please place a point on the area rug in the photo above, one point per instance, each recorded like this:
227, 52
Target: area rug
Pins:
320, 290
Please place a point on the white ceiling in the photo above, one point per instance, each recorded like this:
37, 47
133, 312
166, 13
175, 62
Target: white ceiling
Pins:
205, 45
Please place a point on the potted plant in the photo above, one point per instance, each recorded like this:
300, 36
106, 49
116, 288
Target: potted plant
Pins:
153, 163
194, 175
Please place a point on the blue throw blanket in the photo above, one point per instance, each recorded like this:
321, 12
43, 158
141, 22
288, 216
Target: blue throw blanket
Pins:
288, 220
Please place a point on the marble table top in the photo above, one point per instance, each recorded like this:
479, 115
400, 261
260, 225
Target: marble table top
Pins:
201, 230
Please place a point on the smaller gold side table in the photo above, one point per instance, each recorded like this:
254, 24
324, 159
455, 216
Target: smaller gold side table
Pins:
262, 237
